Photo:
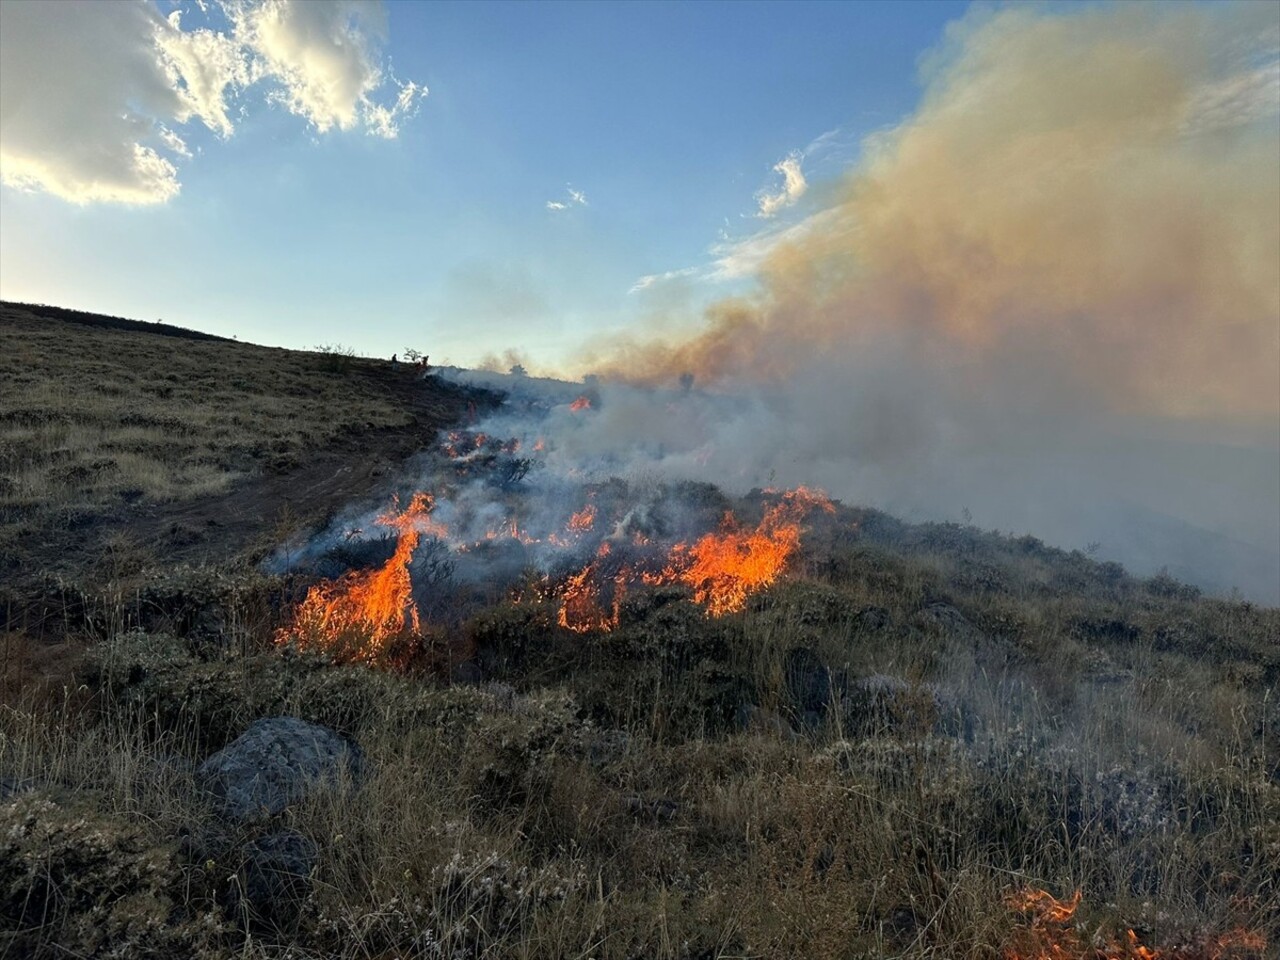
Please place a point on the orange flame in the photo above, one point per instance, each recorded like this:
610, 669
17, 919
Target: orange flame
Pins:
356, 615
722, 568
583, 520
582, 609
1050, 936
582, 403
725, 568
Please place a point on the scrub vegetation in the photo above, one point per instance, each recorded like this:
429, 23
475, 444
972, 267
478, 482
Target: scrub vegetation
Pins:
875, 757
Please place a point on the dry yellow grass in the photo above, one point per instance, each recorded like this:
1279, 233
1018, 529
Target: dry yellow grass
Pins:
120, 446
89, 416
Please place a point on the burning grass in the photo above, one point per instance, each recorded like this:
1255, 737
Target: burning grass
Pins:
763, 727
1053, 933
726, 567
355, 616
583, 547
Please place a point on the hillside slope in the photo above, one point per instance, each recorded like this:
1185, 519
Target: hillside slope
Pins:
920, 741
126, 446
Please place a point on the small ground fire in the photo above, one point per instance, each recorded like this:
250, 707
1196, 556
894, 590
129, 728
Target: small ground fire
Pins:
355, 615
1051, 934
588, 545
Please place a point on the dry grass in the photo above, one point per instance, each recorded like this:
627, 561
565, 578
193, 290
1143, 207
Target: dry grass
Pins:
666, 790
614, 811
93, 417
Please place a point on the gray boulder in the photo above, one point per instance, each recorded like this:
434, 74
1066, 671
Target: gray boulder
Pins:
275, 763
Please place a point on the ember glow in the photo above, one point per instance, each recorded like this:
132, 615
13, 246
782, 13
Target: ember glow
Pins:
356, 615
1053, 934
582, 403
583, 520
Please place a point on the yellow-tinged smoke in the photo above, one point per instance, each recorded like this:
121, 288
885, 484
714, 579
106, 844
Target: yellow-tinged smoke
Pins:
1092, 194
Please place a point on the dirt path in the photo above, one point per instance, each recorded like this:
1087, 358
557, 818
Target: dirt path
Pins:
251, 517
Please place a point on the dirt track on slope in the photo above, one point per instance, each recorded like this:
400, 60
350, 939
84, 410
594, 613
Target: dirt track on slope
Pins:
249, 518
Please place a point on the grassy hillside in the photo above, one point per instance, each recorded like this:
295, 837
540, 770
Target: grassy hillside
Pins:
874, 758
127, 445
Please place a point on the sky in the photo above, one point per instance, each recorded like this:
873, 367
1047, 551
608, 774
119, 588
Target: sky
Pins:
461, 178
1012, 262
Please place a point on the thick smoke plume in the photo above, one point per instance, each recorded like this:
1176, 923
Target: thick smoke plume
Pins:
1049, 299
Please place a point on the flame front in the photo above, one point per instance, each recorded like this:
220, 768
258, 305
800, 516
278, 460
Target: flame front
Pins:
725, 568
583, 608
1051, 935
356, 615
583, 520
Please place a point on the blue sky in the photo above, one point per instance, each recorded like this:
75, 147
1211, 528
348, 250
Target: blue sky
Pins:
667, 119
1061, 241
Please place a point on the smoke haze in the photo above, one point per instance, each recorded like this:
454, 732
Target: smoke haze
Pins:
1050, 297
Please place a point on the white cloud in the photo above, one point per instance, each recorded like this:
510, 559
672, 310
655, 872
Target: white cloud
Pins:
325, 58
645, 282
80, 87
576, 199
91, 92
1236, 100
383, 121
201, 66
793, 187
174, 143
738, 259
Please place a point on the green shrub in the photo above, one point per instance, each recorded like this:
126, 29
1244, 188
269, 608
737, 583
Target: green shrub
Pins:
76, 882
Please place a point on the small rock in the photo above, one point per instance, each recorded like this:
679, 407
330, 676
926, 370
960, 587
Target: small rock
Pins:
274, 878
274, 763
810, 684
